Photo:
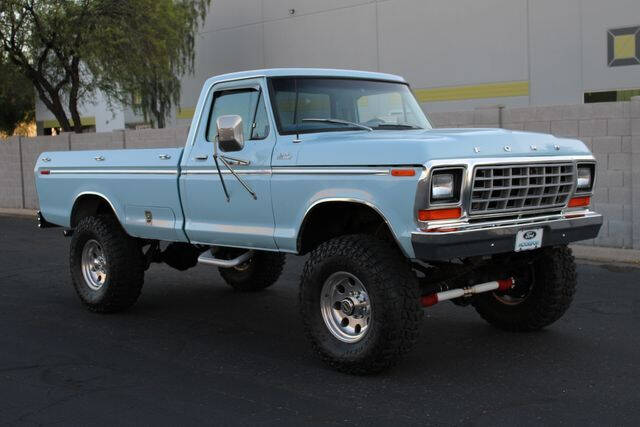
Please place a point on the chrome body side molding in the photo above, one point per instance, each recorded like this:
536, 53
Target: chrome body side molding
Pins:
114, 171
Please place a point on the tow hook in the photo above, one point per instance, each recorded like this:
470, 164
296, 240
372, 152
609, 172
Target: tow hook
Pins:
67, 232
497, 285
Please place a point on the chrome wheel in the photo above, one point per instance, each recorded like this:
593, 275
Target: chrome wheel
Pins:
345, 307
94, 265
523, 283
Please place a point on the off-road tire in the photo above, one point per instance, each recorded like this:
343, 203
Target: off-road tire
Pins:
394, 294
549, 298
261, 271
124, 261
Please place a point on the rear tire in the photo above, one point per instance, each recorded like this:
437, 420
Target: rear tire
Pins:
367, 271
261, 271
551, 287
107, 265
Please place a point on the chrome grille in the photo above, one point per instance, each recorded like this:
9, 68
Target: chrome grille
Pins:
521, 187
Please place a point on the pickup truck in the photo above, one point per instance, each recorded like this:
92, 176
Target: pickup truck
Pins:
342, 166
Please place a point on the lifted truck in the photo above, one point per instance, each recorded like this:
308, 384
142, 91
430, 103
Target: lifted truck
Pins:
343, 166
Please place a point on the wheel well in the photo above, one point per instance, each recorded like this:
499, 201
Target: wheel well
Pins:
332, 219
89, 205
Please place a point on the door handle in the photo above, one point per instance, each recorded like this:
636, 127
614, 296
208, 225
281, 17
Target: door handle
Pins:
98, 158
203, 157
164, 156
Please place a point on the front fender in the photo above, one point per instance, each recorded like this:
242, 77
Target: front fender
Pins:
295, 195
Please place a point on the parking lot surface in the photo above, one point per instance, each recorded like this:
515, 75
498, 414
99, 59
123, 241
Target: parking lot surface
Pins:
192, 351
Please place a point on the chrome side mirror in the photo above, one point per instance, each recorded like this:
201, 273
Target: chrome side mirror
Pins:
230, 135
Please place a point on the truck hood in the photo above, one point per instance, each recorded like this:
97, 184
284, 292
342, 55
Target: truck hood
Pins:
415, 147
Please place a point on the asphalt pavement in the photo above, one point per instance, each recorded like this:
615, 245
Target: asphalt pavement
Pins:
192, 351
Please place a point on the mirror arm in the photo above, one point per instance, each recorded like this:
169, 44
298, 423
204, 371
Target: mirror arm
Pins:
240, 180
224, 186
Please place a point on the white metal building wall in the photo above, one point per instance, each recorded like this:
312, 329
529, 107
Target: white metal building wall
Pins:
456, 54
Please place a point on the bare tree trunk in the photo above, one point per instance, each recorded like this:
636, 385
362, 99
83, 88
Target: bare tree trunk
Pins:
161, 117
54, 104
156, 116
52, 101
157, 112
73, 95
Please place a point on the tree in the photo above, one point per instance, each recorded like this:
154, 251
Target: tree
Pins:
16, 98
152, 67
71, 49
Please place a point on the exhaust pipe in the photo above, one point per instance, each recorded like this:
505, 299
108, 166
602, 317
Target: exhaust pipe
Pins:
497, 285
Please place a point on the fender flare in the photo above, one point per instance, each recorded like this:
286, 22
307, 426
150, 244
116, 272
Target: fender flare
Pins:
97, 194
352, 200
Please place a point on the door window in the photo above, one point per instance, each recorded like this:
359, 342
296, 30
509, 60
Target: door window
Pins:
261, 122
248, 104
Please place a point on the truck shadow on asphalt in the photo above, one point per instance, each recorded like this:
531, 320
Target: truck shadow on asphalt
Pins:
196, 312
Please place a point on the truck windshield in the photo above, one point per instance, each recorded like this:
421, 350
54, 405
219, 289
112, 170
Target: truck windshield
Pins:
310, 104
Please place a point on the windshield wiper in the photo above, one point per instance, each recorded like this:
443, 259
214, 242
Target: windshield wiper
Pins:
395, 126
342, 122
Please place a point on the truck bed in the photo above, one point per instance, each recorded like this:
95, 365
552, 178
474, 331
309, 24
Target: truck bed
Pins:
141, 185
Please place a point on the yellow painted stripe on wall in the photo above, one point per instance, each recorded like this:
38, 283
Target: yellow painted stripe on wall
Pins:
186, 112
84, 121
486, 90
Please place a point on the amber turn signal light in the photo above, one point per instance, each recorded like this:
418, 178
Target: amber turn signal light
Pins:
579, 201
436, 214
403, 172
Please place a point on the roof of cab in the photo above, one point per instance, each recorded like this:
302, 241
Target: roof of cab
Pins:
319, 72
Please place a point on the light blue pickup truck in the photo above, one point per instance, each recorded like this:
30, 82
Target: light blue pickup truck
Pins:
345, 167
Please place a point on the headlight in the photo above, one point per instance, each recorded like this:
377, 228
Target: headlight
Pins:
445, 185
585, 177
442, 186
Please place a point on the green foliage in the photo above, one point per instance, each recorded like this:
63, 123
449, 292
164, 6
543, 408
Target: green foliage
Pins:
42, 39
16, 98
70, 49
145, 46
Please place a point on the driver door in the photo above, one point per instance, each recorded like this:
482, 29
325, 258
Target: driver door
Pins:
242, 221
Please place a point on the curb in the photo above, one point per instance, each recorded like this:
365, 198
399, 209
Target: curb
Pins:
24, 213
606, 255
588, 253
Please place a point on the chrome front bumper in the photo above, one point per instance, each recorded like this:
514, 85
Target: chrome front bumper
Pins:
464, 239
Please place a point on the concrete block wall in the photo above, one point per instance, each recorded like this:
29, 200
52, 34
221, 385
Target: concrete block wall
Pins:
97, 141
610, 130
155, 138
634, 179
10, 173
